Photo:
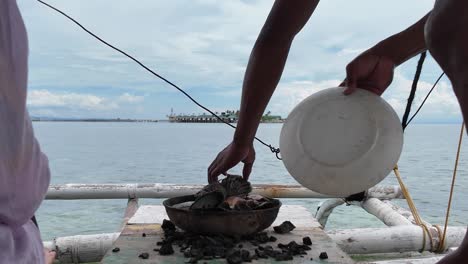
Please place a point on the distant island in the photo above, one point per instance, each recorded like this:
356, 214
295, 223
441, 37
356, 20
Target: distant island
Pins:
229, 116
127, 120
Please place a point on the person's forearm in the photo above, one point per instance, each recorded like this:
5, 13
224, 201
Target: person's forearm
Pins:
404, 45
267, 61
261, 78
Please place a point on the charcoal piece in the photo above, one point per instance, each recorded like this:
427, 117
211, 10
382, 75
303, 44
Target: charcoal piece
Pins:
305, 247
276, 253
116, 249
234, 257
245, 255
284, 228
294, 248
156, 249
210, 197
268, 248
272, 239
236, 185
307, 241
195, 252
219, 252
143, 235
258, 238
183, 247
166, 249
323, 255
144, 255
260, 253
168, 225
261, 237
159, 243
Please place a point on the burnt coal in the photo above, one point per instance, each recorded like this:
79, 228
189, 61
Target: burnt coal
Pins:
144, 255
307, 241
259, 238
284, 228
260, 254
116, 249
245, 255
197, 247
168, 225
166, 249
323, 255
294, 249
234, 257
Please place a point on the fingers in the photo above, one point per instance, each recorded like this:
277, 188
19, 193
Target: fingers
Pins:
220, 168
211, 177
247, 170
351, 81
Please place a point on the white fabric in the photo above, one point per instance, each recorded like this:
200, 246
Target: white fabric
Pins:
24, 171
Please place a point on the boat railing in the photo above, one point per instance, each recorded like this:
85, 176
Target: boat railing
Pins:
402, 233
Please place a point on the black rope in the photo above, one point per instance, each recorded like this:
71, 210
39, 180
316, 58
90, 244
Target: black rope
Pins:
404, 122
272, 149
427, 96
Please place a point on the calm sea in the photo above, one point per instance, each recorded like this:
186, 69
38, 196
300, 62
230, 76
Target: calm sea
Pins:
82, 152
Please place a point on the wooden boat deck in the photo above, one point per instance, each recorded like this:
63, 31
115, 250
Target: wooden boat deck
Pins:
148, 220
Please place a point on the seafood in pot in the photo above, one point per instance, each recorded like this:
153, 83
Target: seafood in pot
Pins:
232, 193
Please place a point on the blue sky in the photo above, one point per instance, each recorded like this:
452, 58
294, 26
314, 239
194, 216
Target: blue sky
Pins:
203, 45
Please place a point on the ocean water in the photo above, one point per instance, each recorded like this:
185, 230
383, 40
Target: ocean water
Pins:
81, 152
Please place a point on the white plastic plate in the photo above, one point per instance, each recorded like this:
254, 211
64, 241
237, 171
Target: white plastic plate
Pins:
341, 145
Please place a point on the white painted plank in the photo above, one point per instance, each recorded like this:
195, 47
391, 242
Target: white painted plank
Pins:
409, 261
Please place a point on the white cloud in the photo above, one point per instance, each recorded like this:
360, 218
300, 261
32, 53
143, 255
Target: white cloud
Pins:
354, 52
289, 94
205, 45
128, 98
442, 103
45, 98
68, 104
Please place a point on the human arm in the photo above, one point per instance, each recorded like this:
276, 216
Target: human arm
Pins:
373, 69
262, 75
